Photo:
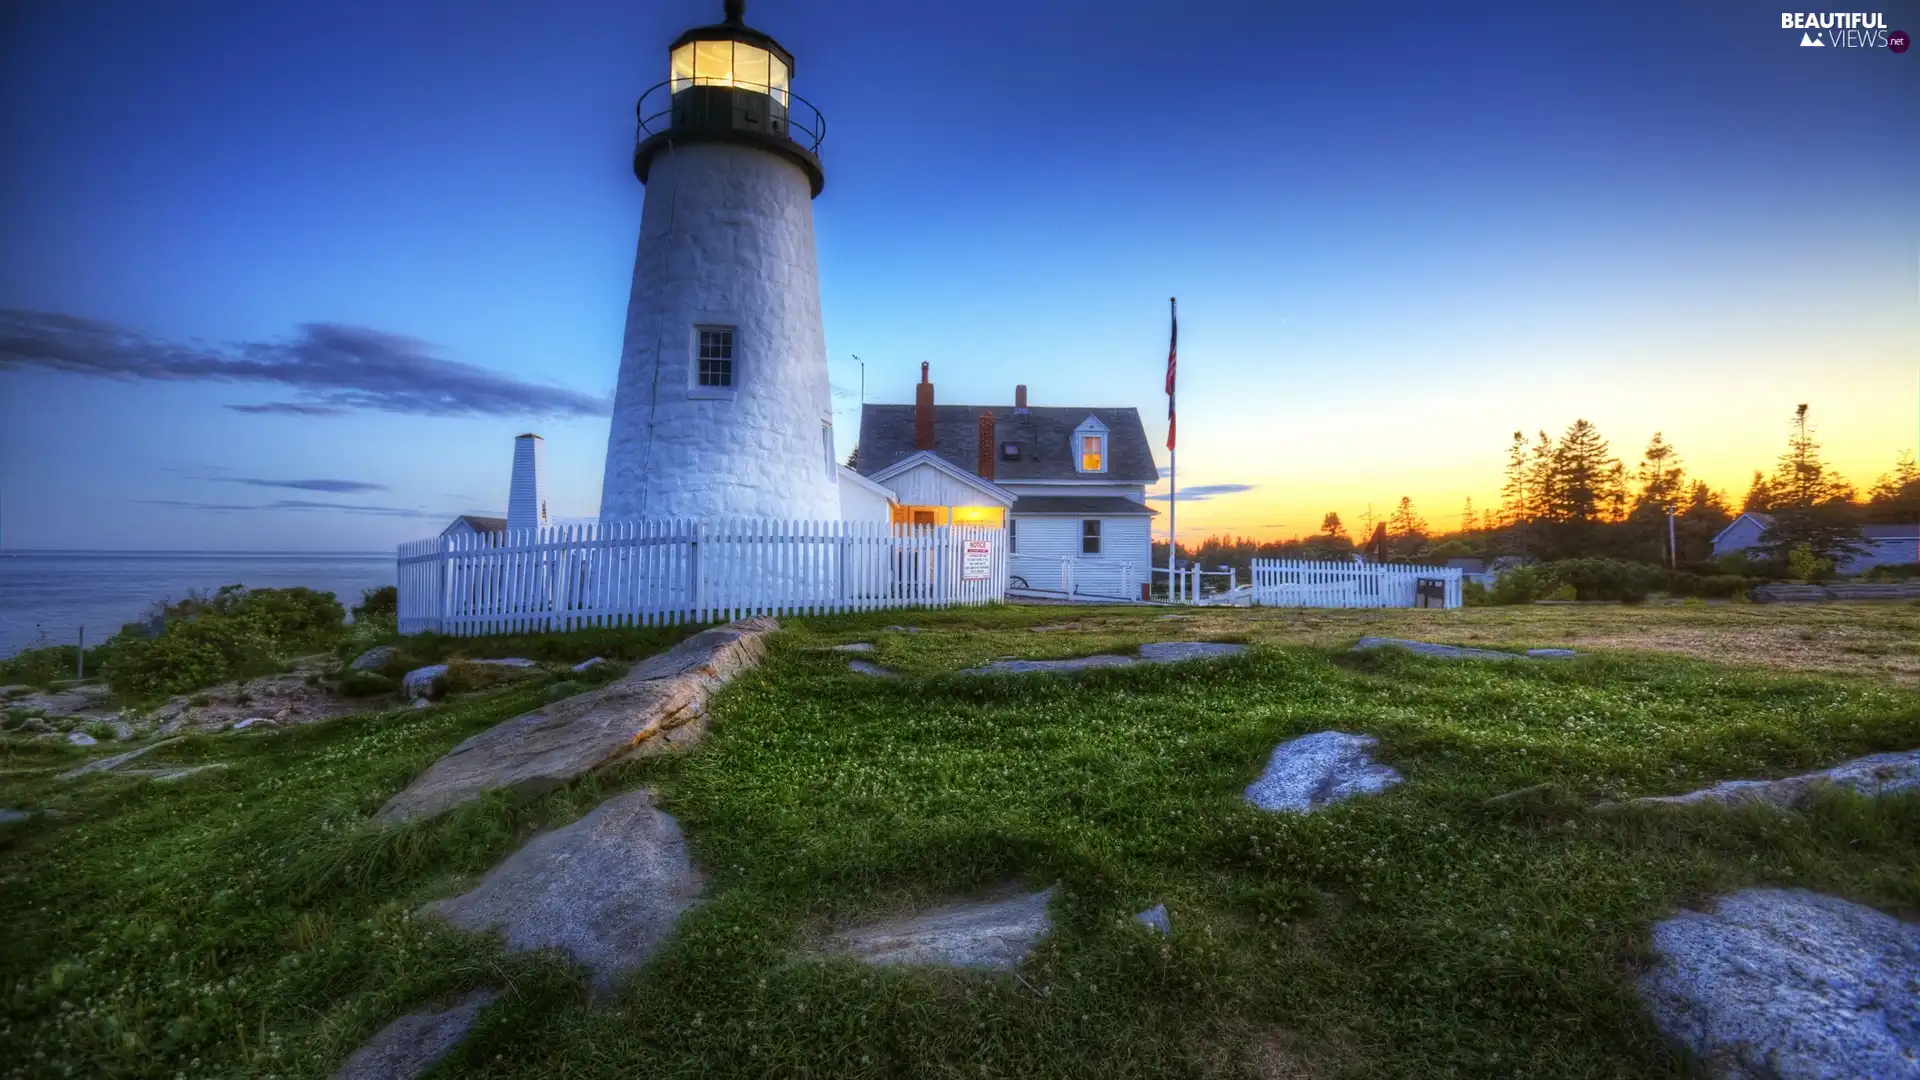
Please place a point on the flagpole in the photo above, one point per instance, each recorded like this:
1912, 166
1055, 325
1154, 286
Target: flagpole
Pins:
1173, 474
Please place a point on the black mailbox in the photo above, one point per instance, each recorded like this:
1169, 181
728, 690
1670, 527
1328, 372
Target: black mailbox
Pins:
1429, 592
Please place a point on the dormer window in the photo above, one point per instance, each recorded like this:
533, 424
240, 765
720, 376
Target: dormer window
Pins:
1090, 446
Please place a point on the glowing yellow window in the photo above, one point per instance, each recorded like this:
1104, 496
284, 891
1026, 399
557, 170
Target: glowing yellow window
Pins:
1089, 453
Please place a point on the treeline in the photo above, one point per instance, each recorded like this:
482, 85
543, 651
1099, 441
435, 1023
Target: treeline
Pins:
1572, 498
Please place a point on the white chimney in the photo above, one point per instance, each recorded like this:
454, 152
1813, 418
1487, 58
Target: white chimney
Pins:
527, 496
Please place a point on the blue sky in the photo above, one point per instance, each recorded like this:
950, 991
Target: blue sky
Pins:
1398, 234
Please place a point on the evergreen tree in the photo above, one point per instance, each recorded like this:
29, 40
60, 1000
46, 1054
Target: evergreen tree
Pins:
1331, 529
1705, 515
1542, 491
1405, 523
1513, 493
1662, 480
1800, 477
1895, 498
1466, 517
1759, 495
1813, 510
1585, 477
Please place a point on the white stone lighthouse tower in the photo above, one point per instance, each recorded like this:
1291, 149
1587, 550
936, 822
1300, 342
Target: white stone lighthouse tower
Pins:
723, 407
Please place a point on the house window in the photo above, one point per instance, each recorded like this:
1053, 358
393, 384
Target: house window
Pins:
1089, 446
1090, 536
1013, 536
714, 369
1009, 451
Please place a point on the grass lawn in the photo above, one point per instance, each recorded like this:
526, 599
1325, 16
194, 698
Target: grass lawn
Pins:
251, 923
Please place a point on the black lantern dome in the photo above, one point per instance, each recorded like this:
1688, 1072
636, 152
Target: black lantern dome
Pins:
730, 83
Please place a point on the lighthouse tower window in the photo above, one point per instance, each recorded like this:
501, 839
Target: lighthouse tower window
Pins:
715, 359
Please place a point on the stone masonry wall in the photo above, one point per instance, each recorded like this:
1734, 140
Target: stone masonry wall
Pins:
726, 239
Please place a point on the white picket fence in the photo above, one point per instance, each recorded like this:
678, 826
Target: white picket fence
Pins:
1299, 583
651, 573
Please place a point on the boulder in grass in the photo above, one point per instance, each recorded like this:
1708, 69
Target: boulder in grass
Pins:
1777, 983
373, 659
540, 750
81, 738
607, 890
1317, 770
411, 1045
1876, 774
994, 934
588, 664
1155, 918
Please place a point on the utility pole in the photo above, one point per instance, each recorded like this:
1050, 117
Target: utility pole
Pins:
1673, 547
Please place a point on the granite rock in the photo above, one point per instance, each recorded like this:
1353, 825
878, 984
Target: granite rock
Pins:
1877, 774
1784, 983
588, 664
410, 1045
1427, 648
864, 667
1156, 918
1313, 771
81, 738
540, 750
373, 659
607, 890
1159, 652
994, 933
106, 764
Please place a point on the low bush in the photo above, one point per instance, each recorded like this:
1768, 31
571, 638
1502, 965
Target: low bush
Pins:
235, 633
1895, 572
378, 603
43, 666
466, 677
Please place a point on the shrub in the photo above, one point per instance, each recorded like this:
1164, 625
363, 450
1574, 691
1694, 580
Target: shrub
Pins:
1895, 572
378, 603
1521, 585
1806, 565
466, 677
1604, 579
233, 634
1474, 594
1710, 586
43, 666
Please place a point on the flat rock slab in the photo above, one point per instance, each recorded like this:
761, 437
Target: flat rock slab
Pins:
865, 667
106, 764
1784, 983
410, 1045
1878, 774
606, 890
541, 750
992, 934
1316, 770
1458, 652
855, 646
1159, 652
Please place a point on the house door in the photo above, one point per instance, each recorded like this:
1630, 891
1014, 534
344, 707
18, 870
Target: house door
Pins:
922, 517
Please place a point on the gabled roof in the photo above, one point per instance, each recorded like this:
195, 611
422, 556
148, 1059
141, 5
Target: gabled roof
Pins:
1890, 532
1765, 521
478, 523
1045, 435
934, 461
848, 476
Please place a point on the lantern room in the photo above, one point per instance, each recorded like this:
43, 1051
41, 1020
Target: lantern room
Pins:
730, 83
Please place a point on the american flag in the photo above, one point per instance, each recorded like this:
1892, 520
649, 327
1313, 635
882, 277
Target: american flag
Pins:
1173, 364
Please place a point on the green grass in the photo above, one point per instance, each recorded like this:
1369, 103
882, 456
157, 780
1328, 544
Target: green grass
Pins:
251, 923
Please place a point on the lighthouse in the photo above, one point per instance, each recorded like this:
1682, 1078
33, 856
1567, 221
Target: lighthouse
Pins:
723, 407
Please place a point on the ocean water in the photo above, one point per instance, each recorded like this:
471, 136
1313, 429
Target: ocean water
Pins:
47, 596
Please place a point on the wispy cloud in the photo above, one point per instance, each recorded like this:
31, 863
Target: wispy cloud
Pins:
297, 505
1201, 492
334, 368
291, 408
338, 487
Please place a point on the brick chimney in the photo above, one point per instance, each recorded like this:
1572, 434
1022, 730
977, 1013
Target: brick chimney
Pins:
987, 448
1020, 399
923, 412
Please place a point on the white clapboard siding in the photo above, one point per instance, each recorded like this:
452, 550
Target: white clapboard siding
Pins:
1301, 583
1050, 556
652, 573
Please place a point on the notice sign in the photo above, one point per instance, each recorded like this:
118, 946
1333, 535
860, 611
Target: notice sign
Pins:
976, 560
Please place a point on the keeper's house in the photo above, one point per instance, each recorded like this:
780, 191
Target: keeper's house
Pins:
1067, 483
